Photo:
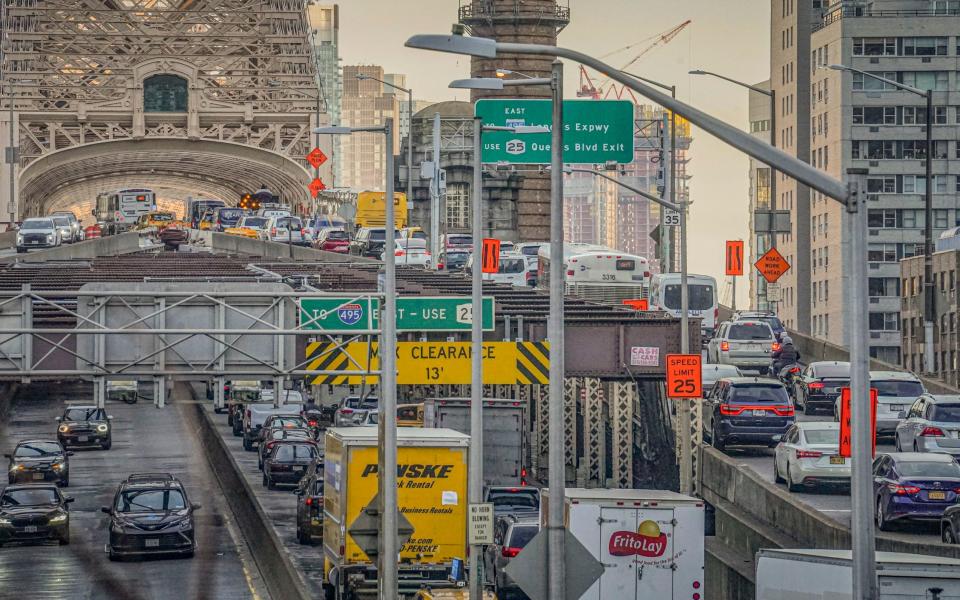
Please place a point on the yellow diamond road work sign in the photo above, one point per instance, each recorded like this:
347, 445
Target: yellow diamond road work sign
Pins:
447, 363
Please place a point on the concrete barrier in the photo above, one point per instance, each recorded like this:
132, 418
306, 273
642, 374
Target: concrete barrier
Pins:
281, 576
125, 243
8, 239
235, 244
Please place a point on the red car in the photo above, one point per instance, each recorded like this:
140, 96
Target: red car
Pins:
333, 241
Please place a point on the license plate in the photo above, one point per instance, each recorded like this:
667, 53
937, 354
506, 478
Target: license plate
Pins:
151, 543
83, 438
838, 460
298, 469
315, 521
30, 529
759, 412
897, 407
937, 495
38, 476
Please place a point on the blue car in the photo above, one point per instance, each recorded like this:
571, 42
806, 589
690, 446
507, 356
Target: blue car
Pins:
914, 486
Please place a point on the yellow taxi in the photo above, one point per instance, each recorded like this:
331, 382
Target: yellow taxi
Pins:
206, 221
249, 226
158, 220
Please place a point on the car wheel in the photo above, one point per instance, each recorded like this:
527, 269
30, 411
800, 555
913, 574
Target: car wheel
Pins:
776, 472
764, 370
302, 538
107, 444
916, 448
230, 419
270, 484
793, 487
716, 440
882, 523
946, 535
65, 482
264, 481
259, 463
65, 541
188, 554
113, 555
247, 445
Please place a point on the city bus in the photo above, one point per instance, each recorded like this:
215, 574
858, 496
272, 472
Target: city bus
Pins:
196, 207
371, 210
597, 273
665, 296
119, 211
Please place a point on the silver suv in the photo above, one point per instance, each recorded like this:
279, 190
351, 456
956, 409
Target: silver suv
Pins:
76, 232
510, 535
37, 233
746, 344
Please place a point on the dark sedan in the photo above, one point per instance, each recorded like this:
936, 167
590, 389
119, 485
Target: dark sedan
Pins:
914, 486
34, 512
85, 426
950, 525
820, 384
39, 461
310, 505
288, 462
151, 514
277, 435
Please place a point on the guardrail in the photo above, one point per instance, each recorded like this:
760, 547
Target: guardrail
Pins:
860, 12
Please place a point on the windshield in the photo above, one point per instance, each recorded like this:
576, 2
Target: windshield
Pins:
82, 414
522, 534
29, 497
61, 221
701, 296
245, 395
286, 422
898, 389
515, 499
529, 250
290, 223
775, 394
134, 501
459, 240
378, 235
254, 222
373, 418
711, 374
355, 402
457, 258
37, 224
162, 217
928, 469
832, 371
294, 452
512, 265
413, 244
230, 214
415, 235
337, 235
822, 436
749, 331
37, 449
773, 322
945, 412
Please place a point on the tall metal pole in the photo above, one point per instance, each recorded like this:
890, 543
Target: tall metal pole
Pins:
6, 82
773, 171
861, 480
435, 195
673, 168
929, 301
388, 391
555, 457
410, 160
476, 349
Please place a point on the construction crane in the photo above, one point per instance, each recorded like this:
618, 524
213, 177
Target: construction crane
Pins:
589, 90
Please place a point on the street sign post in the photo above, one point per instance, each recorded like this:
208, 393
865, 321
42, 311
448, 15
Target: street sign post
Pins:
684, 379
772, 265
480, 528
415, 313
734, 264
528, 569
594, 131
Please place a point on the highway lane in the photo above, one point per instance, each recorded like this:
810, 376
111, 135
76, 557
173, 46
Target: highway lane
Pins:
144, 439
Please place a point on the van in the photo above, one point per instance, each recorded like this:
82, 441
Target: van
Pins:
702, 299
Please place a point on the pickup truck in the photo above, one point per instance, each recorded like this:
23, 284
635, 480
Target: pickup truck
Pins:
254, 415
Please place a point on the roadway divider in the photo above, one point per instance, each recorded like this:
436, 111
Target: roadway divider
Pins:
113, 245
236, 244
283, 579
8, 239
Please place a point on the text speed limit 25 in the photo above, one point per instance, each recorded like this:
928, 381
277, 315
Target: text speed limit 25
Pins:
684, 376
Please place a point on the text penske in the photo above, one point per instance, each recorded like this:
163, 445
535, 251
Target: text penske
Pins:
414, 471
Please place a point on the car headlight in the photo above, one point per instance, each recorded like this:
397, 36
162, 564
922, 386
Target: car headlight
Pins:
49, 237
4, 521
16, 468
58, 466
102, 428
185, 523
63, 428
19, 239
58, 518
116, 527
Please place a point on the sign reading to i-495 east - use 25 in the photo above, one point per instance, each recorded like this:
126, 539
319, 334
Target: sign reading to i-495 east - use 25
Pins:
594, 131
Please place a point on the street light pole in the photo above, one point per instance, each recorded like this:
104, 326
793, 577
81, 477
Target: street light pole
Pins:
476, 378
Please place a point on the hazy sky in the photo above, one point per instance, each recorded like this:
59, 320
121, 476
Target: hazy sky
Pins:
729, 37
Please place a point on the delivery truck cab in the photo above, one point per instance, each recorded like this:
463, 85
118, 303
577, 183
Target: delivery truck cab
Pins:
649, 541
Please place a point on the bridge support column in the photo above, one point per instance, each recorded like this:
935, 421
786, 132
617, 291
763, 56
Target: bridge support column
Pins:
594, 433
278, 391
219, 402
100, 392
538, 454
9, 168
571, 392
622, 396
160, 391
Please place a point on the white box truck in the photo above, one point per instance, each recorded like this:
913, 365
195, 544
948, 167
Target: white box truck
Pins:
650, 542
817, 574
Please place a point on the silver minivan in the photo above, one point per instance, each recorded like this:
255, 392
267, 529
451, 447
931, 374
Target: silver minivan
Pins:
746, 344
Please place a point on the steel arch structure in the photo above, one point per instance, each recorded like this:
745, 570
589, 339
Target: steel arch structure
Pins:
75, 73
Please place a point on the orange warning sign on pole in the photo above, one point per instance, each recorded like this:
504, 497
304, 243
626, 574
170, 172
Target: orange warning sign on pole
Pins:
845, 430
316, 186
684, 376
772, 265
734, 264
490, 258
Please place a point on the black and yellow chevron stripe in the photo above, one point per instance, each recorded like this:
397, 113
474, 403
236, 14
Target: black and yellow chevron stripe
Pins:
327, 357
533, 363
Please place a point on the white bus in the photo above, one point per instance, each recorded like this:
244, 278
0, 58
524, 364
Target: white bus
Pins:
119, 211
597, 273
665, 296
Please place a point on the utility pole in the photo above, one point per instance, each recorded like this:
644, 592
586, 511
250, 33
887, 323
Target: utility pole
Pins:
435, 195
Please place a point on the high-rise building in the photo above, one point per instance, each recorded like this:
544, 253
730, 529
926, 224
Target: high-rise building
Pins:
324, 22
838, 120
759, 115
366, 102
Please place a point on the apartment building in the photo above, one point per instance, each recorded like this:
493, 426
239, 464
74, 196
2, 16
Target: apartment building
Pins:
838, 120
946, 335
759, 173
366, 102
324, 20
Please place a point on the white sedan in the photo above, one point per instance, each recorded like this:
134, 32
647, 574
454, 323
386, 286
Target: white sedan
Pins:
411, 251
808, 455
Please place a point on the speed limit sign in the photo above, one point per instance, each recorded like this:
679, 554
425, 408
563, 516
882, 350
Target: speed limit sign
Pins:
684, 376
671, 218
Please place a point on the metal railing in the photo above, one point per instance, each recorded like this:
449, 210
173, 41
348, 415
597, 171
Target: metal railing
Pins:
476, 10
839, 14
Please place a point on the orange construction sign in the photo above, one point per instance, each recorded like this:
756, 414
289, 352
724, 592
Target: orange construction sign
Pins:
734, 264
316, 158
638, 304
490, 259
772, 265
316, 186
846, 437
684, 376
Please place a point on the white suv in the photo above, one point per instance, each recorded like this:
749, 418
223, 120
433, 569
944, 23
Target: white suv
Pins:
286, 230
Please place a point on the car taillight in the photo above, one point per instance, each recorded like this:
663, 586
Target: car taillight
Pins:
312, 423
346, 411
775, 346
569, 273
730, 410
399, 253
273, 231
932, 432
902, 490
509, 552
809, 454
716, 314
797, 370
815, 386
725, 346
308, 501
783, 411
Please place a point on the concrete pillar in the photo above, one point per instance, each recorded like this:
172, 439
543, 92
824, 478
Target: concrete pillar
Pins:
6, 207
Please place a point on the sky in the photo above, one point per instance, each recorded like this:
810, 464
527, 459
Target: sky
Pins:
728, 37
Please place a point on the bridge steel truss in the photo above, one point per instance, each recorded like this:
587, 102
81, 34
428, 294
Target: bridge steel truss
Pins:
161, 335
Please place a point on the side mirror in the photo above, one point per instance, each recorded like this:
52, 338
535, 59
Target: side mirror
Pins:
69, 452
68, 500
902, 414
7, 456
298, 492
196, 506
109, 417
57, 419
105, 510
777, 438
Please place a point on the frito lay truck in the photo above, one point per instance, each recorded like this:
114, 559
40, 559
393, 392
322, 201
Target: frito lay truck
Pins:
431, 494
649, 541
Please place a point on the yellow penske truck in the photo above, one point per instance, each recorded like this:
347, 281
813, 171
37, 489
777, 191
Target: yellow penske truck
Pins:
431, 494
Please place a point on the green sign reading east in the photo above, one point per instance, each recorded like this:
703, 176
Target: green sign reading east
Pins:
415, 313
594, 131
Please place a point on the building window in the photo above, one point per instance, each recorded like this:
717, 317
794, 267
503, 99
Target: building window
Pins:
925, 80
165, 93
925, 46
874, 115
875, 46
941, 218
889, 321
884, 185
869, 84
917, 115
458, 206
763, 187
883, 286
882, 218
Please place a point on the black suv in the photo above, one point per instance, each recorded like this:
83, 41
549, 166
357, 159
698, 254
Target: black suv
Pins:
34, 512
37, 461
310, 504
151, 514
747, 411
85, 425
369, 242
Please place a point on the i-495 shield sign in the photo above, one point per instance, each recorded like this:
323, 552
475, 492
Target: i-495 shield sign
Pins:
339, 314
